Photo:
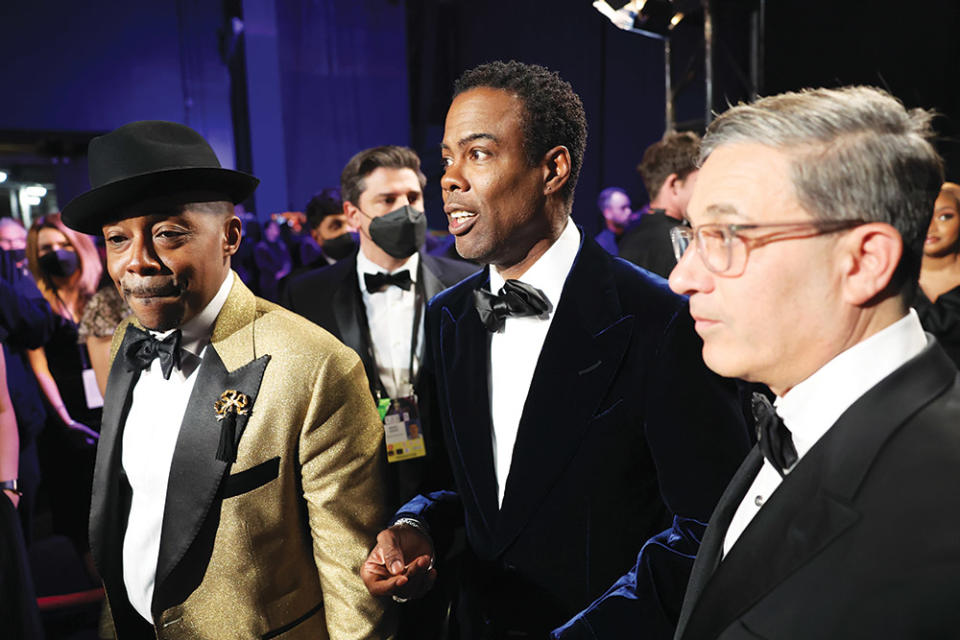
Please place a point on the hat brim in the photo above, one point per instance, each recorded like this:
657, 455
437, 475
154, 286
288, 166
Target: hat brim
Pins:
89, 211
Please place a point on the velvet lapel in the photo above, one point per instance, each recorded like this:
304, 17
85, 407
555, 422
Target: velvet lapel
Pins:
465, 358
814, 504
196, 473
107, 514
578, 362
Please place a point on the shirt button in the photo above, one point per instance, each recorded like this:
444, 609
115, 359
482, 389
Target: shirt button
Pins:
758, 501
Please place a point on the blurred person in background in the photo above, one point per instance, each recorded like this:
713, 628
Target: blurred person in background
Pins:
13, 237
938, 300
18, 614
614, 205
669, 173
28, 322
273, 261
65, 265
244, 262
105, 310
330, 238
66, 268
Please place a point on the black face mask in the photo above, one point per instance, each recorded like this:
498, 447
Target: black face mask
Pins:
18, 256
400, 232
60, 263
340, 247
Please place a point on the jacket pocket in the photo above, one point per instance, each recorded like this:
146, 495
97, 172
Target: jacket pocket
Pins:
250, 479
290, 625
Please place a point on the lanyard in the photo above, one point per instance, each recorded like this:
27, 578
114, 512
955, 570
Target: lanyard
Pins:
418, 304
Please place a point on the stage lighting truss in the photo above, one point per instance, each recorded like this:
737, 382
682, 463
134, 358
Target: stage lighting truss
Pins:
659, 18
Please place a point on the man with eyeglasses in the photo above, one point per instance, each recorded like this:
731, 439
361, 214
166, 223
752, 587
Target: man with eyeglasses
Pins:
806, 233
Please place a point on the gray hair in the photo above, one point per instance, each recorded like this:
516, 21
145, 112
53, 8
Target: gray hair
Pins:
857, 153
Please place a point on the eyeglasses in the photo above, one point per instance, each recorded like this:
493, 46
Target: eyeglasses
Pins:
724, 249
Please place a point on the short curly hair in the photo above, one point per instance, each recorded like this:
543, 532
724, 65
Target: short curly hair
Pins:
553, 113
676, 153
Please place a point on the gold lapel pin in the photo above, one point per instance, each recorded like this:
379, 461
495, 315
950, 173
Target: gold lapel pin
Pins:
231, 401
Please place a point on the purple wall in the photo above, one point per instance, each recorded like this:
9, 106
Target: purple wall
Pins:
92, 66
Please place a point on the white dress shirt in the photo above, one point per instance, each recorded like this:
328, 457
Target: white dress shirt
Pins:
149, 439
810, 408
514, 352
390, 314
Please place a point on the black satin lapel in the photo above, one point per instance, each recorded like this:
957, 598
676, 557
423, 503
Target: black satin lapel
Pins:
812, 506
196, 474
796, 522
574, 364
465, 357
711, 547
105, 509
431, 283
347, 303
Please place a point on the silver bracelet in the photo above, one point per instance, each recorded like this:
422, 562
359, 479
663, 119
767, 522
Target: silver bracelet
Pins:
421, 527
416, 524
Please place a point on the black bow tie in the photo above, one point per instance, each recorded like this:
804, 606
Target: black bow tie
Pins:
141, 348
773, 437
516, 299
377, 281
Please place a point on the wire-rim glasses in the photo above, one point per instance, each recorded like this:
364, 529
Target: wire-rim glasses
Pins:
724, 249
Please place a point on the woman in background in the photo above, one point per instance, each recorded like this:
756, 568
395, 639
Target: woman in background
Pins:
938, 301
105, 310
67, 269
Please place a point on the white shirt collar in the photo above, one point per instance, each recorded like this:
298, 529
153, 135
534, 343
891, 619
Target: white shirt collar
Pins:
810, 408
366, 265
550, 270
195, 333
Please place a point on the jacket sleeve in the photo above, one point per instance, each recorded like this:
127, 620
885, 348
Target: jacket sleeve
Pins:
28, 319
343, 487
698, 437
644, 602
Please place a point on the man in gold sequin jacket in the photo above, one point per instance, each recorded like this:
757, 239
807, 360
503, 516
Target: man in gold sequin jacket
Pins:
238, 483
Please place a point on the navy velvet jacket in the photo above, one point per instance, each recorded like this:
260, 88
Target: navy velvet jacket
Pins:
623, 428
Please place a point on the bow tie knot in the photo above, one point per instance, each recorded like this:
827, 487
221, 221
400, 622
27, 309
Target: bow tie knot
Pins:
141, 348
773, 437
516, 299
374, 282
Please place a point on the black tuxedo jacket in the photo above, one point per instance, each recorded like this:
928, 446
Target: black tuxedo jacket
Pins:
623, 425
862, 539
647, 243
331, 297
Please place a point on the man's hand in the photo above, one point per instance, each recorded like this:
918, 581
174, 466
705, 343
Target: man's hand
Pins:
387, 571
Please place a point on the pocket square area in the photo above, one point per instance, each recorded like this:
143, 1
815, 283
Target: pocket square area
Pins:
252, 478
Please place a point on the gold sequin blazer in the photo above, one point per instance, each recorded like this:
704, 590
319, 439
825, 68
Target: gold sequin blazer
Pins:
268, 546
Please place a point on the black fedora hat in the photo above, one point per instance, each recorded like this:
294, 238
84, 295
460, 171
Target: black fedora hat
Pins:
150, 159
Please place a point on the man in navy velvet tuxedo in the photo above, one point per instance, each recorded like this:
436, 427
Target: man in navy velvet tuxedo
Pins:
577, 414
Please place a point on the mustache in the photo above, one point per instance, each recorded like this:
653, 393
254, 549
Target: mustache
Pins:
151, 289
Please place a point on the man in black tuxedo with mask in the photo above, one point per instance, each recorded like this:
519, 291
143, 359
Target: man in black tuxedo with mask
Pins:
374, 300
577, 414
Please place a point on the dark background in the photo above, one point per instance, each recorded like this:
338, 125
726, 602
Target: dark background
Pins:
290, 89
